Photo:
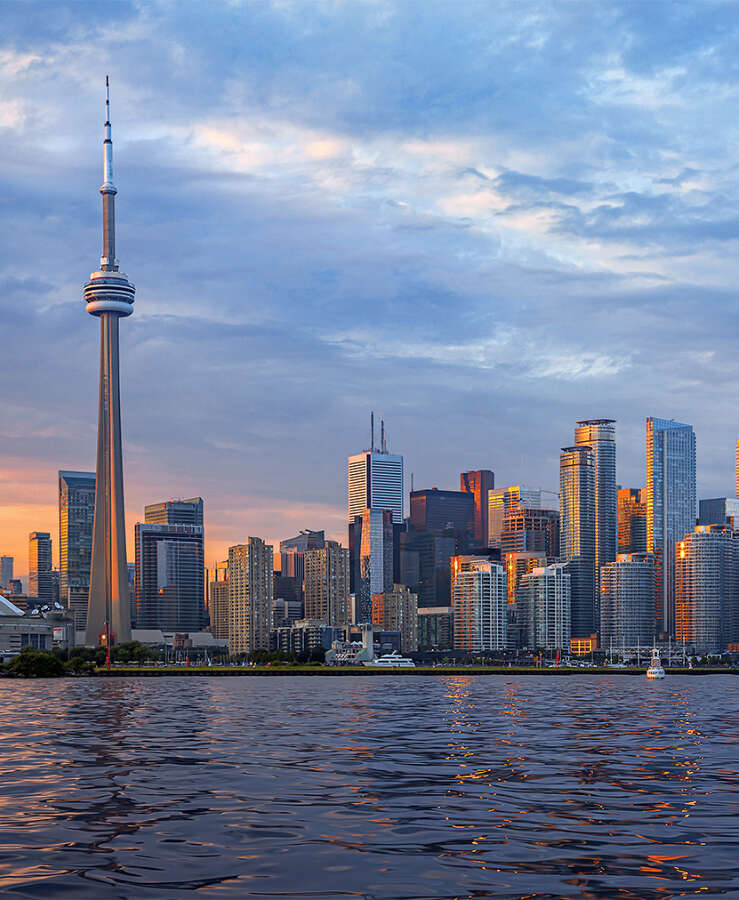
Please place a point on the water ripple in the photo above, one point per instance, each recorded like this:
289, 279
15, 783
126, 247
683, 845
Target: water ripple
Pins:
378, 787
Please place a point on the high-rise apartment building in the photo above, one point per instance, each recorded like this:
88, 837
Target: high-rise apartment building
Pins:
479, 483
218, 588
479, 600
600, 436
670, 497
707, 589
251, 569
577, 534
39, 567
502, 500
76, 517
543, 604
170, 583
627, 597
371, 556
737, 467
397, 610
632, 521
6, 571
175, 512
326, 582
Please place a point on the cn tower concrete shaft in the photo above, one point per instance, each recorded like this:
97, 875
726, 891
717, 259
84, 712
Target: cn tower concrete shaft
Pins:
109, 296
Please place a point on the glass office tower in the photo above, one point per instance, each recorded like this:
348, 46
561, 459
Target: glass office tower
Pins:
670, 495
76, 516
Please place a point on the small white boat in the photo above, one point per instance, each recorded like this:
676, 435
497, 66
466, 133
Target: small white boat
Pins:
655, 669
392, 661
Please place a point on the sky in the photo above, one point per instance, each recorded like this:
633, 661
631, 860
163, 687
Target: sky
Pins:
483, 221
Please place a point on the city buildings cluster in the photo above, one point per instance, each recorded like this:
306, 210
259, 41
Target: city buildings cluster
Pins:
478, 570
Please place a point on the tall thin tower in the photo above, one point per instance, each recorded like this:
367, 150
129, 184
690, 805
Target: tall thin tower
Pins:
109, 296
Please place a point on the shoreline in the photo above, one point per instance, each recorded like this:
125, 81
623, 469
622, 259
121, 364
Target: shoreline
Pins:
353, 671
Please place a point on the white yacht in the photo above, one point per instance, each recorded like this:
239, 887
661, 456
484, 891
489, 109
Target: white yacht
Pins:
391, 661
655, 669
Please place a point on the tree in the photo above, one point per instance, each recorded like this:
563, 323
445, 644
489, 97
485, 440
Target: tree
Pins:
32, 663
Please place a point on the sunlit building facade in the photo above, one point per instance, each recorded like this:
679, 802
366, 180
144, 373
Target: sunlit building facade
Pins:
526, 529
479, 600
397, 610
479, 483
76, 517
632, 520
707, 589
371, 552
627, 596
175, 512
670, 498
500, 500
600, 436
577, 534
326, 579
251, 571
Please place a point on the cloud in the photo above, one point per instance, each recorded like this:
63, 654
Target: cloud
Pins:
484, 221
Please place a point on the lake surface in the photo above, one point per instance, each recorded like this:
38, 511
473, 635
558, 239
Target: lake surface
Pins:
377, 787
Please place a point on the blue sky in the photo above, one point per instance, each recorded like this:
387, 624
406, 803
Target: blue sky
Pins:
484, 221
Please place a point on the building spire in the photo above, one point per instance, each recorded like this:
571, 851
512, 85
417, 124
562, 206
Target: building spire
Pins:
108, 262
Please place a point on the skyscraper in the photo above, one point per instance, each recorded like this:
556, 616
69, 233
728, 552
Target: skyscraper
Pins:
479, 483
719, 511
39, 566
250, 569
707, 588
6, 571
479, 602
375, 480
600, 436
175, 512
326, 579
736, 471
76, 516
627, 592
632, 520
530, 529
371, 555
109, 296
670, 496
577, 534
169, 587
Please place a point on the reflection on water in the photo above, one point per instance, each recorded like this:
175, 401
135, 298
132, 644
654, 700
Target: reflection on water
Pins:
376, 787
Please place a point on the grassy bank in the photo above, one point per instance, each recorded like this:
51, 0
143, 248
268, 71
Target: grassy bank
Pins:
338, 671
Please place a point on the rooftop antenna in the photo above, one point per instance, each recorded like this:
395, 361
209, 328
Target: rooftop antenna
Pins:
372, 432
383, 445
411, 482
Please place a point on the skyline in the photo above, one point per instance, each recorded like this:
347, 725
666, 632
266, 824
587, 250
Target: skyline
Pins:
483, 275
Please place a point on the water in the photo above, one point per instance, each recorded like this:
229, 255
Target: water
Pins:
370, 787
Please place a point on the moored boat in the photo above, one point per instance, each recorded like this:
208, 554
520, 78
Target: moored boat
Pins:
655, 669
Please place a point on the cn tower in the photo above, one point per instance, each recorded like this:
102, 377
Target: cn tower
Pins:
109, 296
